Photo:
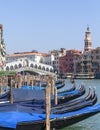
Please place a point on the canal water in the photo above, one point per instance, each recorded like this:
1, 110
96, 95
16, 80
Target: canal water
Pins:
91, 123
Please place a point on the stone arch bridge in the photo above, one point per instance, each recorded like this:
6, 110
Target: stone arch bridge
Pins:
26, 65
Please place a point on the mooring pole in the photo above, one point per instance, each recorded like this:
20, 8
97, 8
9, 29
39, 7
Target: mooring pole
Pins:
52, 85
48, 105
11, 92
0, 85
55, 95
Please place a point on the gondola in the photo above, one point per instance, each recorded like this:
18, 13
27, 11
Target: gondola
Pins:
89, 100
59, 84
67, 96
89, 96
30, 121
6, 95
77, 100
38, 82
73, 105
29, 107
73, 87
69, 107
39, 86
42, 87
24, 95
23, 117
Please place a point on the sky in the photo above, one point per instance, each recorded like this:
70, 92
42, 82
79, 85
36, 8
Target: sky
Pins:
46, 25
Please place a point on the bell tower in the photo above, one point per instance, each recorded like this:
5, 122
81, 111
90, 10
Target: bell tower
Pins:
87, 41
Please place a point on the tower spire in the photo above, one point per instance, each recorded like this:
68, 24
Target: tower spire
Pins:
88, 29
87, 41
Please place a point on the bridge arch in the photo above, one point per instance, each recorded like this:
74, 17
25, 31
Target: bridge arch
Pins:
28, 65
25, 62
39, 67
20, 65
43, 68
47, 69
11, 67
15, 66
36, 66
7, 68
51, 70
31, 65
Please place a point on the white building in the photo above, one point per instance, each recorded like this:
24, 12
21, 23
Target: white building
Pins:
52, 58
33, 55
2, 49
37, 59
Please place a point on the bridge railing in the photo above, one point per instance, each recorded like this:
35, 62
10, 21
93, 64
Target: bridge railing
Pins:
36, 70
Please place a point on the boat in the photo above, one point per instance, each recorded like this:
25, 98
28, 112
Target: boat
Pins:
71, 88
77, 100
23, 116
74, 117
43, 86
42, 83
32, 107
39, 86
75, 105
38, 97
67, 96
89, 100
30, 121
83, 76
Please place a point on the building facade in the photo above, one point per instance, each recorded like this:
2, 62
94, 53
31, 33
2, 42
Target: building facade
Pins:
78, 61
33, 55
2, 49
70, 62
86, 62
95, 55
53, 57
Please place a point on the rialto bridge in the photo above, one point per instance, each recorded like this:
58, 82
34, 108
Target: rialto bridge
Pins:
25, 65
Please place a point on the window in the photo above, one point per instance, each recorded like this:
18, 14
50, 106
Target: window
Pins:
97, 51
97, 57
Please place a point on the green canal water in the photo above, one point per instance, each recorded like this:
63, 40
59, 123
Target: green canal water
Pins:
91, 123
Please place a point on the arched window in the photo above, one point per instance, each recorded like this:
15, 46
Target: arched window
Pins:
11, 67
20, 65
7, 68
35, 66
43, 68
31, 65
15, 66
51, 70
39, 67
47, 69
26, 63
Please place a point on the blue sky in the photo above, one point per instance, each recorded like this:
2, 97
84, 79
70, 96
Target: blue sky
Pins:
45, 25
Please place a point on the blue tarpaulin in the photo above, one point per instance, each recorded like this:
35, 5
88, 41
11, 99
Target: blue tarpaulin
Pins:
10, 119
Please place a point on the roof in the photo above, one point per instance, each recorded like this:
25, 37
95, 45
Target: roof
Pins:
26, 54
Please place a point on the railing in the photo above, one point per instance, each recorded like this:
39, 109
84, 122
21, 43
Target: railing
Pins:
36, 70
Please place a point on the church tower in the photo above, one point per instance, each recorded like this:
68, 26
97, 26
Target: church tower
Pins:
87, 41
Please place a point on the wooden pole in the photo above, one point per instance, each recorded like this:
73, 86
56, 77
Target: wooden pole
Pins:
0, 85
6, 84
11, 92
52, 85
55, 96
40, 86
48, 105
